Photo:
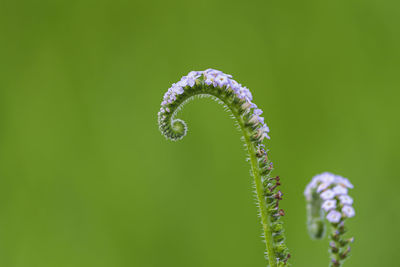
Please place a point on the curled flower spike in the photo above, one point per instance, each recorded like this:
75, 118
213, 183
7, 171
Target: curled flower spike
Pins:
239, 100
327, 198
217, 85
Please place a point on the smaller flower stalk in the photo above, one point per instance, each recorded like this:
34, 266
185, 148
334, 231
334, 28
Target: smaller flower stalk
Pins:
327, 198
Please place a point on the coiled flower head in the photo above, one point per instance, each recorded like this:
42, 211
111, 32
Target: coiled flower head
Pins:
210, 82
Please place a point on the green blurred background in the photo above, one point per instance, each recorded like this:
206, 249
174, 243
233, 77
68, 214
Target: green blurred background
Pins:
86, 179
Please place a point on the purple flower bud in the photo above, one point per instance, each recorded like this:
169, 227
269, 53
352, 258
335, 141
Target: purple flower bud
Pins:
258, 111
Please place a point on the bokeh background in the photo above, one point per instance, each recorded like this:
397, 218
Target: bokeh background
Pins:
86, 179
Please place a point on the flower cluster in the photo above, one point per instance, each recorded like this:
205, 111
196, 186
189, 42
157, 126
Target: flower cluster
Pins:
218, 80
333, 191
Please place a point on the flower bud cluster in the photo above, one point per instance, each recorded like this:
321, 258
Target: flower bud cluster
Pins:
329, 193
333, 190
215, 82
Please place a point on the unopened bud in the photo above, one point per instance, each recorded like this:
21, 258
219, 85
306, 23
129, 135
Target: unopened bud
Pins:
335, 263
333, 247
345, 253
281, 212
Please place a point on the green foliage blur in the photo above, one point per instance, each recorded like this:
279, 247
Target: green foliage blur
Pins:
86, 179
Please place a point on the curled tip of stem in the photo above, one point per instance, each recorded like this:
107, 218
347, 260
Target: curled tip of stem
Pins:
219, 86
177, 130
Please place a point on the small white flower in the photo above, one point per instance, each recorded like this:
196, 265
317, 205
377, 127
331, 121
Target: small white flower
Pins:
348, 211
234, 85
172, 97
346, 200
221, 80
244, 93
183, 82
326, 177
194, 74
329, 204
323, 186
212, 72
177, 89
191, 81
328, 194
258, 112
209, 79
343, 181
334, 216
340, 190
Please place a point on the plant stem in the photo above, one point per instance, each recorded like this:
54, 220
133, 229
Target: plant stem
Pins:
220, 95
261, 200
259, 190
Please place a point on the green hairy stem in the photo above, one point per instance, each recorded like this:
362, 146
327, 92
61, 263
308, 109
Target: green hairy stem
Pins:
266, 186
